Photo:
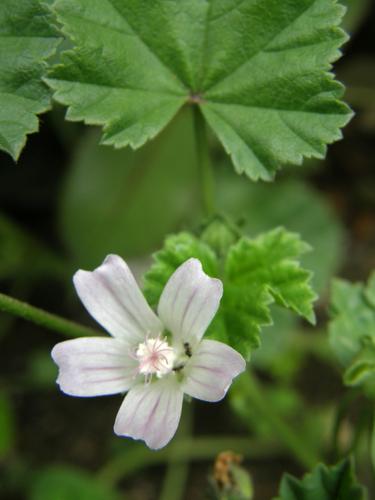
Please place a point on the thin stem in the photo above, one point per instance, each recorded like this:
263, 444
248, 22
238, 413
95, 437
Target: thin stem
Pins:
44, 318
282, 430
341, 412
187, 450
204, 162
372, 442
176, 474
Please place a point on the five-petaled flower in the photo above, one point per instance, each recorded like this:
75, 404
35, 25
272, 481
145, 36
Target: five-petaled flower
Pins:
155, 358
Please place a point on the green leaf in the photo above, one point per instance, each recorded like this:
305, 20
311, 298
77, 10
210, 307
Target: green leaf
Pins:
256, 273
259, 71
324, 483
66, 483
352, 330
290, 203
136, 192
27, 39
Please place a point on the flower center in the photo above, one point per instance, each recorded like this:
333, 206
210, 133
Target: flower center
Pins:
155, 356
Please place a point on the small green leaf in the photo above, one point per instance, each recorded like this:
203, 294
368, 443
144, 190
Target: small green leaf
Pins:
27, 40
259, 72
290, 203
255, 273
271, 260
352, 330
324, 483
66, 483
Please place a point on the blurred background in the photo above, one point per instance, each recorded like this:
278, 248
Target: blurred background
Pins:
69, 202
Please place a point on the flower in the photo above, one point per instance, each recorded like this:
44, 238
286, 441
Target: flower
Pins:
156, 359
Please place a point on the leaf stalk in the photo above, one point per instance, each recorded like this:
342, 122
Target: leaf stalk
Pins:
43, 318
204, 162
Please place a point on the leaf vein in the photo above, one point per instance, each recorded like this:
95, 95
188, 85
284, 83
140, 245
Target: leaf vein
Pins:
264, 47
155, 55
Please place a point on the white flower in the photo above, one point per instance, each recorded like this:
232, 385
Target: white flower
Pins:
155, 360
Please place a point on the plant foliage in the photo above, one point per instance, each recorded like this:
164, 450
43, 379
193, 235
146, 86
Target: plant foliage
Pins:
352, 330
259, 72
255, 272
27, 39
324, 483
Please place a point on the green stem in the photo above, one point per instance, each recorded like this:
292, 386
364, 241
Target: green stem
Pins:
372, 443
204, 162
176, 475
282, 430
341, 412
44, 318
187, 450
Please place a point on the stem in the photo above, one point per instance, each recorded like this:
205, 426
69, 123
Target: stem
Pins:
204, 162
282, 430
372, 443
44, 318
177, 473
341, 412
188, 449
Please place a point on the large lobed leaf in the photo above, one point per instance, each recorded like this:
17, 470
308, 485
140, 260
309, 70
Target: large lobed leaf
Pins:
324, 483
352, 331
255, 273
259, 71
27, 39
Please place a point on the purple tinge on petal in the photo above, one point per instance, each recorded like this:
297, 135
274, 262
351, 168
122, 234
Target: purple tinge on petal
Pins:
94, 366
211, 370
112, 296
189, 301
151, 412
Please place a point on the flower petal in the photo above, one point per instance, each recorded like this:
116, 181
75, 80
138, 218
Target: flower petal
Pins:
112, 296
151, 412
211, 370
189, 301
94, 366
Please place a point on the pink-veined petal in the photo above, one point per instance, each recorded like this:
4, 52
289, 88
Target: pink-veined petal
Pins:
189, 301
211, 370
111, 295
151, 412
94, 366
